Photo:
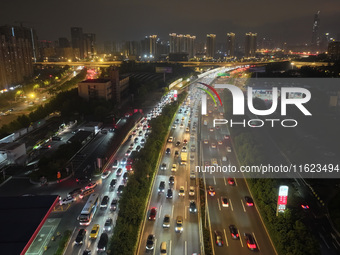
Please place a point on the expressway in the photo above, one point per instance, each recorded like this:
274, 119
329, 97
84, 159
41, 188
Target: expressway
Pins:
186, 242
245, 218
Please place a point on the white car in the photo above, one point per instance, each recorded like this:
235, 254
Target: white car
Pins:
224, 158
67, 200
228, 149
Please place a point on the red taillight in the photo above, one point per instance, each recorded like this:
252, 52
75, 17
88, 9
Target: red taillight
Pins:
251, 246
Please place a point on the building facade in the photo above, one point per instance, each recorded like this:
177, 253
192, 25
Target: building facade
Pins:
334, 50
211, 44
77, 41
230, 49
250, 45
17, 52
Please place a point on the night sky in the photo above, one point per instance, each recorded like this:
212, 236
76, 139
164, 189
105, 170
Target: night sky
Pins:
288, 20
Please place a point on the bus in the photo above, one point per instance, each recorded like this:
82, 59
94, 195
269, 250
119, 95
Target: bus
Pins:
89, 210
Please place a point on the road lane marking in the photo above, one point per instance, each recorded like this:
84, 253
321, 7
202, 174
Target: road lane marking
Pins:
185, 248
172, 211
225, 236
231, 205
225, 181
170, 248
239, 234
258, 246
214, 180
154, 249
185, 212
235, 182
219, 206
160, 211
244, 209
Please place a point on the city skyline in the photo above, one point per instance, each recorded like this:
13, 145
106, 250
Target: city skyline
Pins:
281, 23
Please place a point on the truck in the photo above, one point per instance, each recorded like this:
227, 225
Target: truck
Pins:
184, 158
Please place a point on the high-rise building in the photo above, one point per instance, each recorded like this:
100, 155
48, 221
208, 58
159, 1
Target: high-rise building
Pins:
17, 51
189, 43
334, 50
173, 42
153, 48
77, 41
211, 42
315, 31
89, 45
230, 51
250, 45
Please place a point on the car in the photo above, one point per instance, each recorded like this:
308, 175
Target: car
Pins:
228, 149
136, 140
113, 183
138, 148
171, 179
177, 121
56, 138
80, 236
119, 172
150, 242
163, 166
226, 137
251, 244
213, 145
185, 141
181, 126
219, 142
74, 193
174, 168
305, 206
193, 147
233, 232
115, 164
178, 143
166, 221
120, 189
218, 238
176, 154
168, 151
170, 139
131, 146
67, 200
192, 175
206, 141
192, 206
179, 224
192, 157
169, 193
126, 176
94, 231
181, 192
129, 138
106, 174
113, 206
224, 158
187, 129
211, 191
191, 191
224, 202
124, 161
127, 153
108, 224
161, 187
249, 201
104, 239
140, 133
104, 202
174, 126
211, 129
221, 113
184, 149
231, 181
91, 185
153, 213
142, 141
